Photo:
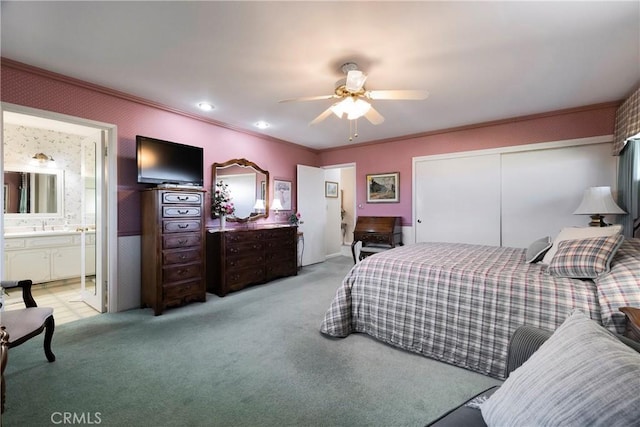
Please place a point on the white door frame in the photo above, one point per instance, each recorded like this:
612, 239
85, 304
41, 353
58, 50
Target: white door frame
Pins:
109, 249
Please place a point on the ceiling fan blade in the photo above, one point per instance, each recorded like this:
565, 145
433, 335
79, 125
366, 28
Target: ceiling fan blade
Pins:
397, 94
373, 116
309, 98
326, 113
355, 80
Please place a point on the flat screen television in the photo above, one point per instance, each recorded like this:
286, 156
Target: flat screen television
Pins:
164, 162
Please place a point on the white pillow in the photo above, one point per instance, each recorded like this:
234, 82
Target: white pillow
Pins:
578, 233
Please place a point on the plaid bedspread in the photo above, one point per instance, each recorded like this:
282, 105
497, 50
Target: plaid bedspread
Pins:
460, 303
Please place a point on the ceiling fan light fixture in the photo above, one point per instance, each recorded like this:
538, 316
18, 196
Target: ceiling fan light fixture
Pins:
355, 80
351, 106
340, 108
358, 109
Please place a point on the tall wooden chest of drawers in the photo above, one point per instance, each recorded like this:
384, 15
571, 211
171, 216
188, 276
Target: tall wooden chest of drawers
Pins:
241, 257
173, 247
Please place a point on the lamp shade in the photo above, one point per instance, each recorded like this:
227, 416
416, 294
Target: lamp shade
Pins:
598, 200
259, 205
276, 205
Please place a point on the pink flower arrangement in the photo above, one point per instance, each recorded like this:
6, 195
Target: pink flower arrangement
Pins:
221, 203
294, 218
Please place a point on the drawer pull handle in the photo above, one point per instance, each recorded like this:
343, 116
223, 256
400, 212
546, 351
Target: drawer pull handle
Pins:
183, 256
183, 212
183, 225
182, 242
183, 198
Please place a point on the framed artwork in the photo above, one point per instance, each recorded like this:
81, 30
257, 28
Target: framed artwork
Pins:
330, 189
383, 188
282, 191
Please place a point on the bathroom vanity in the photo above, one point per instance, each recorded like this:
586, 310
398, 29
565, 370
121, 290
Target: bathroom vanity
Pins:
48, 255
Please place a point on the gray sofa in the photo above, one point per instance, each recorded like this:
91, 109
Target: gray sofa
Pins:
524, 342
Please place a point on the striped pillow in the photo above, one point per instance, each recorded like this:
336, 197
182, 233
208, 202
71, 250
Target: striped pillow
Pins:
581, 376
585, 258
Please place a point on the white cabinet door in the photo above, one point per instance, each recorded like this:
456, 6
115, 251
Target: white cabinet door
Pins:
457, 200
28, 264
542, 188
65, 262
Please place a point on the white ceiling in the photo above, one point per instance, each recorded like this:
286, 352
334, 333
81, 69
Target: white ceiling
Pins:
480, 61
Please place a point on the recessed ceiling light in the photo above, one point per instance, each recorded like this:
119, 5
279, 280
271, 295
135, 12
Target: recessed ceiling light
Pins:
205, 106
262, 124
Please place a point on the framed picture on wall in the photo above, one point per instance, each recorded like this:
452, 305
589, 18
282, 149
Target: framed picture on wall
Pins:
282, 191
330, 189
383, 188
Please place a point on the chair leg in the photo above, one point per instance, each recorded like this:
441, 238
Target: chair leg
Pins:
49, 326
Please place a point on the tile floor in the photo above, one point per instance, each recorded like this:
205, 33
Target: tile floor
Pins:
64, 297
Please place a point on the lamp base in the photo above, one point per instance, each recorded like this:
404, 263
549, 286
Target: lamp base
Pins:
597, 221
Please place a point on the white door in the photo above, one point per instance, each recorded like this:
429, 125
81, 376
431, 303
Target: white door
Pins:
313, 211
92, 172
457, 200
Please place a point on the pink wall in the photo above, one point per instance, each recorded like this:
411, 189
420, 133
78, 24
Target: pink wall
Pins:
396, 156
23, 85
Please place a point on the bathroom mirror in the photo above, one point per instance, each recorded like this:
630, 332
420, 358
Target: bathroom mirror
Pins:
33, 192
247, 184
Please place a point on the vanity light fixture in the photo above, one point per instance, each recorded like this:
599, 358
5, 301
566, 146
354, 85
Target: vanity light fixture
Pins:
42, 158
205, 106
262, 124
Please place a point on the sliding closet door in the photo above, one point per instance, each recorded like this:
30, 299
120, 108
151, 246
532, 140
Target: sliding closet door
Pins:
542, 188
458, 199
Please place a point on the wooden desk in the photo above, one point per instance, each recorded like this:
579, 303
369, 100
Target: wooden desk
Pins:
377, 233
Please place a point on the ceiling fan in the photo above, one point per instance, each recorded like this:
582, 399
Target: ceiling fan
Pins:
354, 99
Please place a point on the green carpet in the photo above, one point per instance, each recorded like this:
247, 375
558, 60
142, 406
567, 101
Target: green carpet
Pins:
252, 358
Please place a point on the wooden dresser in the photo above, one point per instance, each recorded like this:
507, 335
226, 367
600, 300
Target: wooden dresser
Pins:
377, 233
173, 247
237, 258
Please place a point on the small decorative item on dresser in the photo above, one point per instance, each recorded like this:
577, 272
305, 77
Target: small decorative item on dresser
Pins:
221, 203
294, 218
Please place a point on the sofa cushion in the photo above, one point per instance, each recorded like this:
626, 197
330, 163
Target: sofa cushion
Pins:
582, 375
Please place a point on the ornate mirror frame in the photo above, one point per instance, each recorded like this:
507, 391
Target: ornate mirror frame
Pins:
260, 188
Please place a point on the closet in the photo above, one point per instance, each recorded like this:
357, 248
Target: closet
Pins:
509, 196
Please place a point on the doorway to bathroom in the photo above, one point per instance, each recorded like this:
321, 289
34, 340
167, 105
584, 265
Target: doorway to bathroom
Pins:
56, 210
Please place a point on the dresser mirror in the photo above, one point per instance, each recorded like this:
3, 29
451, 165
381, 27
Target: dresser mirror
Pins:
248, 186
33, 192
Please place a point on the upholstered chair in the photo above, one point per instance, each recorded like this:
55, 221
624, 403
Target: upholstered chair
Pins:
25, 323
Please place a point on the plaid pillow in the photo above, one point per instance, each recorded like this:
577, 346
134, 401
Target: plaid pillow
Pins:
585, 258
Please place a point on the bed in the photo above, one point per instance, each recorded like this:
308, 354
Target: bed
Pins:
460, 303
